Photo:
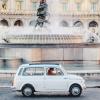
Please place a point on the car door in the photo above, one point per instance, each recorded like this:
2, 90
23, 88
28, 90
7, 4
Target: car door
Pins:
56, 82
35, 76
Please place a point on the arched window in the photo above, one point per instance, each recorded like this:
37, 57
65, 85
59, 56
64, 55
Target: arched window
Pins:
18, 23
32, 23
93, 24
78, 24
4, 22
64, 24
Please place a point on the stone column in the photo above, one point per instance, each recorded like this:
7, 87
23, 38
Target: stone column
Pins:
12, 5
28, 5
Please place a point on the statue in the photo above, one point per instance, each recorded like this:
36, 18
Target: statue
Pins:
42, 13
4, 4
92, 37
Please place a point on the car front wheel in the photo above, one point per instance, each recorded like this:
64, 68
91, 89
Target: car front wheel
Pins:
75, 90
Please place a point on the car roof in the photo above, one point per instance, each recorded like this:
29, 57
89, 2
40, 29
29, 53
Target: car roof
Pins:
40, 65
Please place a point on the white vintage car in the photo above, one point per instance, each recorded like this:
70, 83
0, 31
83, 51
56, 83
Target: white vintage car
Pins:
46, 78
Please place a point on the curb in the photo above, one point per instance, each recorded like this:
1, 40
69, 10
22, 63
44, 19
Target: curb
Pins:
93, 87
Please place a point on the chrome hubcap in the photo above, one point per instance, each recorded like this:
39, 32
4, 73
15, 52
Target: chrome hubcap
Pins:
28, 91
76, 90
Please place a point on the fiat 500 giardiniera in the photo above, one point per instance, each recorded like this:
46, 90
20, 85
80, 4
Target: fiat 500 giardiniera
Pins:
46, 78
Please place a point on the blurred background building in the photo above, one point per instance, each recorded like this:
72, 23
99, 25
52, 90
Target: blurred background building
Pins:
72, 13
78, 19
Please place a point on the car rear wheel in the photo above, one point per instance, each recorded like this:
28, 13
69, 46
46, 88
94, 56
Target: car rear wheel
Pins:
27, 91
75, 90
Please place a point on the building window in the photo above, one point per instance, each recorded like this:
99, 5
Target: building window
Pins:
78, 4
94, 5
78, 7
64, 5
34, 5
19, 4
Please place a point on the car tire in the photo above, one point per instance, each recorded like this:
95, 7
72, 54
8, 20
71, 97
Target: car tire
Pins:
27, 91
75, 90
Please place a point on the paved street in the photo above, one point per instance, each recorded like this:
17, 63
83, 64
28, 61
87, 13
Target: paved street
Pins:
89, 94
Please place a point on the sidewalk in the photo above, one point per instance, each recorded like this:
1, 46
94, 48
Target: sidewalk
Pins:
92, 83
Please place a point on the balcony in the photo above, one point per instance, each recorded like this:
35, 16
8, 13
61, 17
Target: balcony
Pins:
18, 12
80, 13
67, 13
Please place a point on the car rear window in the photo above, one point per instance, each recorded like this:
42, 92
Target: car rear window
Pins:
33, 71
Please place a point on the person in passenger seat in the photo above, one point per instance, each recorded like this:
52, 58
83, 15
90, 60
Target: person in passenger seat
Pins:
51, 71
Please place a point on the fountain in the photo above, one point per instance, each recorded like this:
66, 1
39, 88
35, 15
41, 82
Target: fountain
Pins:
48, 31
92, 37
47, 27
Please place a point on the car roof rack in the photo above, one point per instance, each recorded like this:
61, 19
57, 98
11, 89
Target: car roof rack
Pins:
43, 64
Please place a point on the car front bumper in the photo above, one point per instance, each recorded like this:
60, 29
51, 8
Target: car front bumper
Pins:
14, 89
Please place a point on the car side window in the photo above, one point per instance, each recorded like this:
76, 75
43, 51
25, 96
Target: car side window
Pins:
54, 71
59, 71
20, 71
33, 71
39, 71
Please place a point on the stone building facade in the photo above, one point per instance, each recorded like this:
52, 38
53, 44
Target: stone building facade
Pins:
72, 13
78, 17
